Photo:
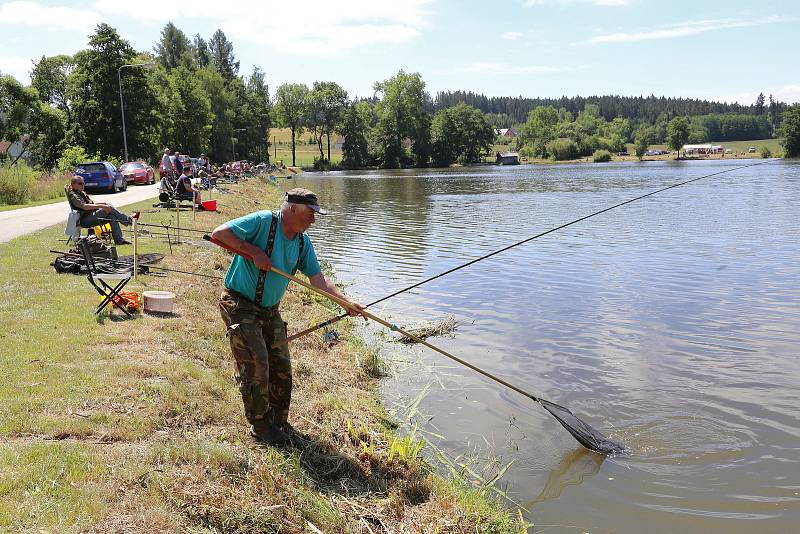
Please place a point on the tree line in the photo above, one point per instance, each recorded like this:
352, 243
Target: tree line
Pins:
187, 94
507, 111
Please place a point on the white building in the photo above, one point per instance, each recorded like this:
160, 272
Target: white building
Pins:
695, 150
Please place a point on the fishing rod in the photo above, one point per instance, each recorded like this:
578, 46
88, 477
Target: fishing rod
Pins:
585, 434
166, 226
476, 260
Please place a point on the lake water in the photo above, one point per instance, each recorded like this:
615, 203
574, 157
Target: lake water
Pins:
671, 324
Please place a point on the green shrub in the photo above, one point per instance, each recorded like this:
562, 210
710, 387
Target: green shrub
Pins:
562, 149
16, 183
766, 152
71, 157
601, 156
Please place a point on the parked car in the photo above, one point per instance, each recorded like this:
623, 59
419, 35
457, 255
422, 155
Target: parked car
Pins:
101, 175
138, 172
751, 150
623, 153
651, 152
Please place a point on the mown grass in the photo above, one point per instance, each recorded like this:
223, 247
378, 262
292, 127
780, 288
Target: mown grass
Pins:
116, 425
304, 152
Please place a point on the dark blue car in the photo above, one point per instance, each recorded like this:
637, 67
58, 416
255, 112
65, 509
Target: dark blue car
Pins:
101, 175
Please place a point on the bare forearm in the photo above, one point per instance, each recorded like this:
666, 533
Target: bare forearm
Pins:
322, 282
226, 236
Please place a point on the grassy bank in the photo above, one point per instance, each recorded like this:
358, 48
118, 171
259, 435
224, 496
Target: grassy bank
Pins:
113, 425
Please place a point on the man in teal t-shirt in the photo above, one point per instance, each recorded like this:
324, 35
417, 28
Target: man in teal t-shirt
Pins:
249, 305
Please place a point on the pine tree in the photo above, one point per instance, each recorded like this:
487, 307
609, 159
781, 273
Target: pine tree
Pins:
222, 57
172, 46
760, 104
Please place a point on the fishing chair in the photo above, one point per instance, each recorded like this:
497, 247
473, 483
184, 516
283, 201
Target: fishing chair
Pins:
73, 227
120, 277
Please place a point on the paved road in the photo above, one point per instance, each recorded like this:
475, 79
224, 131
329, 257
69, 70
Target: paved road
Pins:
14, 223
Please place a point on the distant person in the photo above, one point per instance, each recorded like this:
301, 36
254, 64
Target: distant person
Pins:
166, 162
96, 213
178, 163
185, 190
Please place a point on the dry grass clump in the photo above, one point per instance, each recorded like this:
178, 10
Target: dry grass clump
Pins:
446, 326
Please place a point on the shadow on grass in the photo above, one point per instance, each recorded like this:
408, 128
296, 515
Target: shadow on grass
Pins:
331, 472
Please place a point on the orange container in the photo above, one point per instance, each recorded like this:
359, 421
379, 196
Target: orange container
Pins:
210, 205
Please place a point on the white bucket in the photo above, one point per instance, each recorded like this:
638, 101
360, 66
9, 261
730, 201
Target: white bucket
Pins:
158, 301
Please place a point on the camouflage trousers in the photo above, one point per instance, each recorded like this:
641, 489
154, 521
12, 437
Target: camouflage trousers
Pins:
264, 374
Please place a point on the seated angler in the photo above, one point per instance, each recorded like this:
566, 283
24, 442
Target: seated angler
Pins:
96, 213
184, 190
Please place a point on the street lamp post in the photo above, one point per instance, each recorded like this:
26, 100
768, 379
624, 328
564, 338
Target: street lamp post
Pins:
233, 140
122, 102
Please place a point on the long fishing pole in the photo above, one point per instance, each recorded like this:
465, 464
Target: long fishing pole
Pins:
146, 267
584, 433
476, 260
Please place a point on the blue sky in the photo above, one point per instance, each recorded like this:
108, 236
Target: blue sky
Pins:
723, 50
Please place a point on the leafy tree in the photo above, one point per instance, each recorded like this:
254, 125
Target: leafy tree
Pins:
290, 107
642, 139
16, 105
172, 46
202, 55
190, 109
326, 104
563, 149
401, 115
24, 117
660, 128
223, 112
461, 133
94, 93
539, 129
48, 126
356, 125
255, 113
790, 132
759, 107
698, 133
49, 77
222, 57
677, 133
618, 128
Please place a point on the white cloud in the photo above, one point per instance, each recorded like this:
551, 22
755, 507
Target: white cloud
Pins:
485, 67
512, 36
17, 66
311, 27
681, 30
787, 93
34, 14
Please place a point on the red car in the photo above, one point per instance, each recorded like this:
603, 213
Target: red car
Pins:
138, 172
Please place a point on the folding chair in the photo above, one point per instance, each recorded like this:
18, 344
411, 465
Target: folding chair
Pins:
108, 292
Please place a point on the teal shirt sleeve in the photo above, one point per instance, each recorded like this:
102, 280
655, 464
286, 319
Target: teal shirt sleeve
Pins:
248, 226
309, 265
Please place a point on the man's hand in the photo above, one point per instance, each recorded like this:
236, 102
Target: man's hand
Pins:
106, 208
356, 308
262, 261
